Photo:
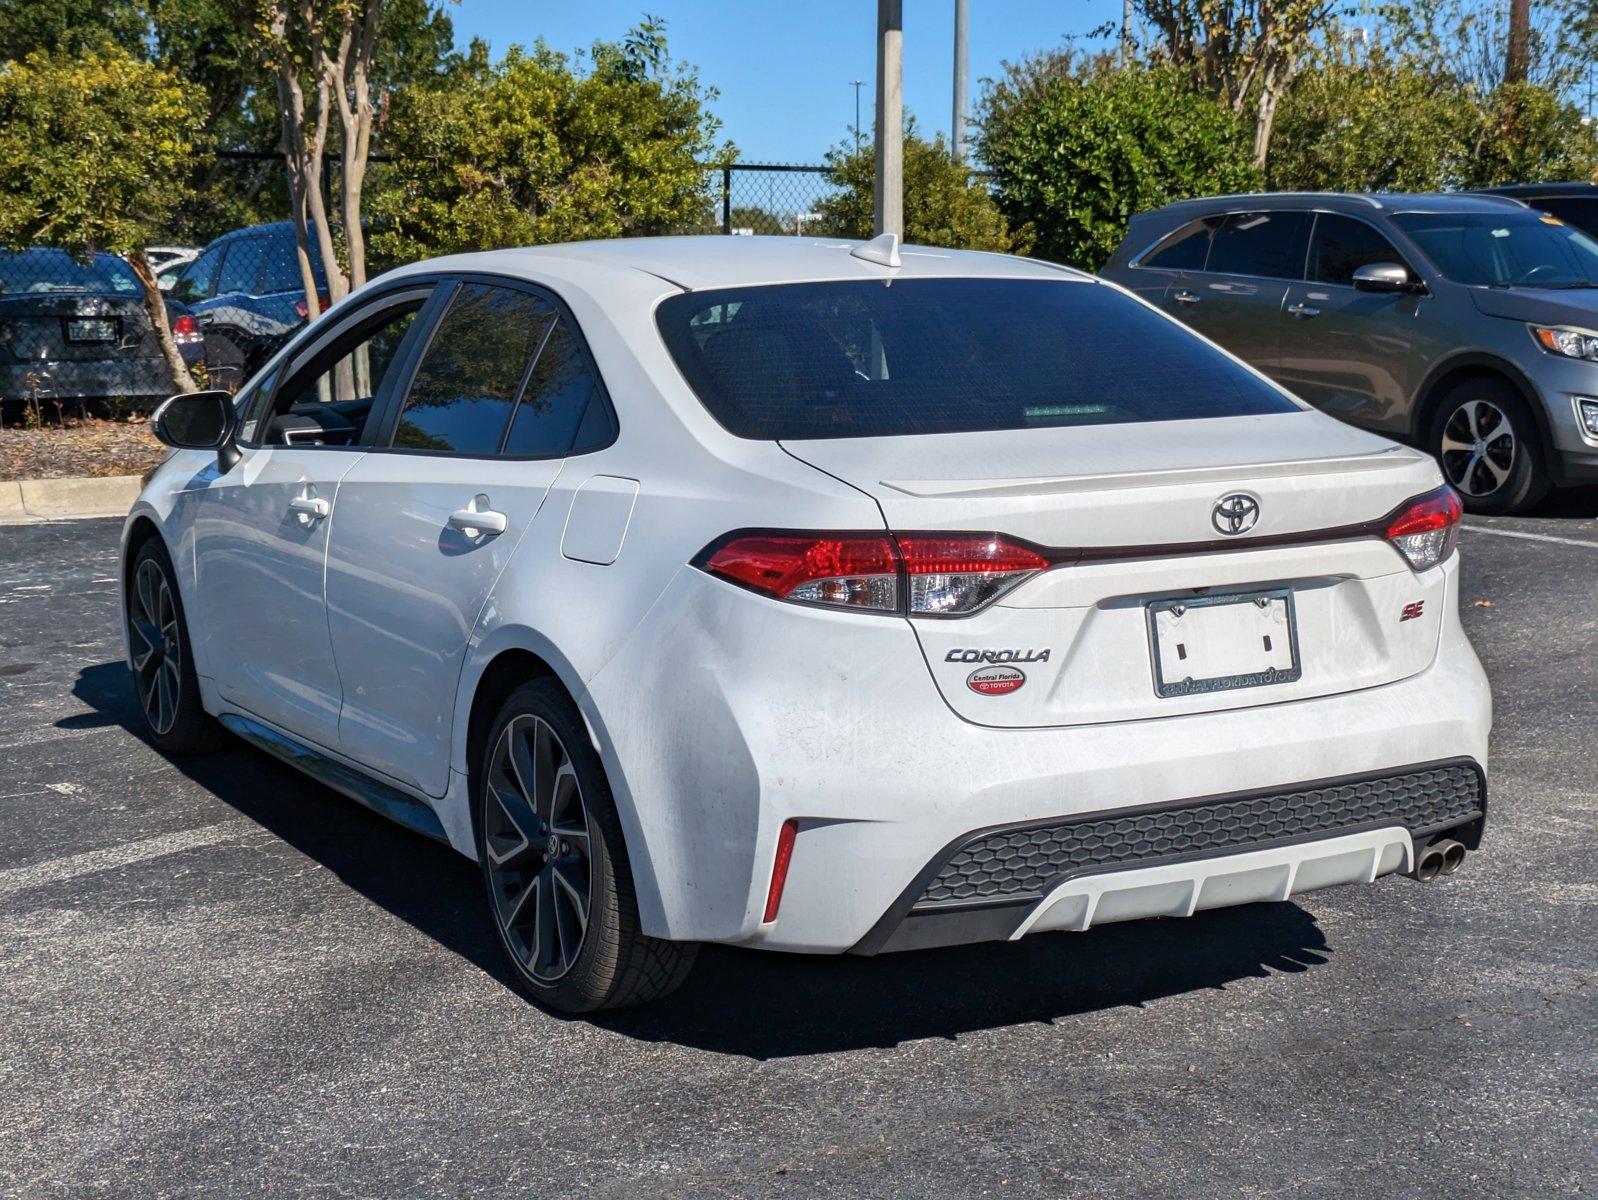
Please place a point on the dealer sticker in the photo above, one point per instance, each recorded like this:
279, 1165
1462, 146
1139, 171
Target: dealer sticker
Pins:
995, 681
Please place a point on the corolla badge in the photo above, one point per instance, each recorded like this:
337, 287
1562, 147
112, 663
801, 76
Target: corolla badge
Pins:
1234, 514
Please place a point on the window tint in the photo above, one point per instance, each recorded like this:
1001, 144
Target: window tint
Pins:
282, 265
241, 268
195, 281
328, 400
1184, 251
1259, 243
862, 359
560, 391
1342, 245
1579, 211
43, 271
461, 398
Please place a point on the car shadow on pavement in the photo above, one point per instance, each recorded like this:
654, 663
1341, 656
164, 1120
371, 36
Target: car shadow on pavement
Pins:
746, 1002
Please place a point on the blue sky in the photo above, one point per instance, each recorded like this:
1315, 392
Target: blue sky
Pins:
784, 69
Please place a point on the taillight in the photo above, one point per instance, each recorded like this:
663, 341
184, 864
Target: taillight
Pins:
186, 330
304, 309
919, 574
1425, 529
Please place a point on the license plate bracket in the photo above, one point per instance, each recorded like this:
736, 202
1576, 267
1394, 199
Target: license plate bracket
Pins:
90, 330
1220, 643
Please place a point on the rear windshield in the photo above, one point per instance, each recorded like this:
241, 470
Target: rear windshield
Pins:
45, 272
915, 356
1510, 249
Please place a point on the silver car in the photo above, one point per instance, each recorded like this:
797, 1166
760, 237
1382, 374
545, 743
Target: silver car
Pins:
1464, 324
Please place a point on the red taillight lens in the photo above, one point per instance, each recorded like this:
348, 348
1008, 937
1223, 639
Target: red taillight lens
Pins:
779, 867
186, 330
812, 568
922, 574
1425, 529
957, 573
302, 308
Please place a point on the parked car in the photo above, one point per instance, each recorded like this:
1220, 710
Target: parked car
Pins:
1576, 203
714, 590
1467, 325
247, 294
76, 333
163, 258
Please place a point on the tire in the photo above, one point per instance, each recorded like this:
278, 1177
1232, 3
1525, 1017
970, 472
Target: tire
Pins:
560, 888
164, 682
1487, 443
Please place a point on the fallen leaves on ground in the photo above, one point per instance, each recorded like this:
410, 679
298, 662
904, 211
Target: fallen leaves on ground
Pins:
81, 448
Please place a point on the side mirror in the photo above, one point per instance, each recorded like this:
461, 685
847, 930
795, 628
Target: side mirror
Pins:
199, 421
1384, 277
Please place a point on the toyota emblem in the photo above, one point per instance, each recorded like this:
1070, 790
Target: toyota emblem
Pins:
1235, 514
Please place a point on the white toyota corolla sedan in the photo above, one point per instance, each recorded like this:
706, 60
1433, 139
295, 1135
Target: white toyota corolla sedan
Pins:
813, 596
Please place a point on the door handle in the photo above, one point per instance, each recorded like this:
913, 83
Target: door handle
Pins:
1303, 311
1185, 298
309, 508
478, 520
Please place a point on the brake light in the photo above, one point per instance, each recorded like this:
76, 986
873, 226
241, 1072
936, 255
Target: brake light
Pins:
919, 574
779, 868
1426, 528
186, 330
304, 309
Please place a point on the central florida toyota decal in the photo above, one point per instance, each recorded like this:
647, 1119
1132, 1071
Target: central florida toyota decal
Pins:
995, 681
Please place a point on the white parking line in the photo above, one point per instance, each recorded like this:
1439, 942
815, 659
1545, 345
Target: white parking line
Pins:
1532, 537
55, 870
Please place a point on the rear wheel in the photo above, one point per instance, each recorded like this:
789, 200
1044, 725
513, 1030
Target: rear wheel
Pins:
163, 664
560, 888
1486, 441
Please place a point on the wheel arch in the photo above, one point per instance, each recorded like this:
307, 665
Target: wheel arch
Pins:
510, 657
1461, 368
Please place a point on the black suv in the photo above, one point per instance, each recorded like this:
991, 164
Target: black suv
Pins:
246, 293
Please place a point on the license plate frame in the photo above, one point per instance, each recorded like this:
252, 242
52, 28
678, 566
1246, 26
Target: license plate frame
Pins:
1265, 599
91, 331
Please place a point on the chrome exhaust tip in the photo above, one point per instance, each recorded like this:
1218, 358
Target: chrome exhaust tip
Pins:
1453, 856
1428, 864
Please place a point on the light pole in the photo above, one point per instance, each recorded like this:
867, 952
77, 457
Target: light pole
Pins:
856, 85
962, 25
888, 192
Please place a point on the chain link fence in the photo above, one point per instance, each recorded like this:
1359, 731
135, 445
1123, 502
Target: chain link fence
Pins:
775, 198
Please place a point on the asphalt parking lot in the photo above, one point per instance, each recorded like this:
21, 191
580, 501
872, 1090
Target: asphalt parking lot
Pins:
218, 978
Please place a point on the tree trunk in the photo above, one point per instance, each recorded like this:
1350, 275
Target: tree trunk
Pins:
155, 309
1265, 117
1517, 58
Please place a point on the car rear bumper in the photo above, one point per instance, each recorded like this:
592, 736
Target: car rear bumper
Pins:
84, 379
726, 715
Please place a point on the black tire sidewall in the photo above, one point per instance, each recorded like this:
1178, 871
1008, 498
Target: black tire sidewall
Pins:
1528, 481
589, 983
191, 730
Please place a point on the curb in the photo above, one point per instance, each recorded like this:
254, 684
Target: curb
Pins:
27, 501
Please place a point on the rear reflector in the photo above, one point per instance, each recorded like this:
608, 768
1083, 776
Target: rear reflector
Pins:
1425, 529
779, 868
919, 574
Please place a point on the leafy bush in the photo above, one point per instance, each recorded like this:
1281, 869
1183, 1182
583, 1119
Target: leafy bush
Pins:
1078, 153
943, 204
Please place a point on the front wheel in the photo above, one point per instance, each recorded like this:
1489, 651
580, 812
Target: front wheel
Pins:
163, 663
560, 887
1486, 442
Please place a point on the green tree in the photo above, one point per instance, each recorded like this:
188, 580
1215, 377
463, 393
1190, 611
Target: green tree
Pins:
943, 204
1078, 154
536, 149
96, 152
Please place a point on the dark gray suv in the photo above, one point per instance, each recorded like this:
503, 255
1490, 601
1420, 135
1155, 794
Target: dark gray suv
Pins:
1465, 324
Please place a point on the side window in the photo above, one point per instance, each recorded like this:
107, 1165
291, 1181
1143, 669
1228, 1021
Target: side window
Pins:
252, 402
563, 407
1259, 243
1342, 245
327, 401
241, 269
282, 266
194, 282
1186, 250
461, 398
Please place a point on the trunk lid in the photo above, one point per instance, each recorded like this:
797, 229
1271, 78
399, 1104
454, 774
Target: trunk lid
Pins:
1076, 644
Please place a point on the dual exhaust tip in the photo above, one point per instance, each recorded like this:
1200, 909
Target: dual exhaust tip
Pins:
1441, 857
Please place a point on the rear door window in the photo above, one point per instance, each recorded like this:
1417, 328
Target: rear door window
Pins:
476, 364
925, 356
1185, 250
563, 407
1342, 245
241, 267
1269, 244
